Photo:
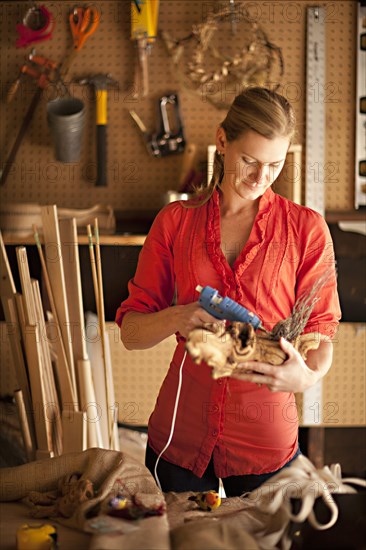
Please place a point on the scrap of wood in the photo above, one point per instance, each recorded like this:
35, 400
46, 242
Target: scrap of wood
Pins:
68, 391
52, 411
71, 262
31, 338
51, 235
70, 441
24, 425
39, 397
88, 403
101, 319
74, 428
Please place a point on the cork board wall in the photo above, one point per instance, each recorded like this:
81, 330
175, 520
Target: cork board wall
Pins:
136, 180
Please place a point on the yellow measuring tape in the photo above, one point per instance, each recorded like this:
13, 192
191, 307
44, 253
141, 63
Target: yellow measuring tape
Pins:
37, 537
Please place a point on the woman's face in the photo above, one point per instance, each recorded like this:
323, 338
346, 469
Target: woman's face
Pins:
251, 163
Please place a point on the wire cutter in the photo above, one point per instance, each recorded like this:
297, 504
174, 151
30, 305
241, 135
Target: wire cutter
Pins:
83, 23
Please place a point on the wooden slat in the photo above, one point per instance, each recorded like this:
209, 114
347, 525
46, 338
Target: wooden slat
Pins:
55, 269
105, 240
39, 399
53, 411
71, 262
96, 360
88, 403
74, 427
7, 286
15, 339
7, 293
113, 406
104, 341
33, 348
25, 283
67, 395
24, 425
67, 391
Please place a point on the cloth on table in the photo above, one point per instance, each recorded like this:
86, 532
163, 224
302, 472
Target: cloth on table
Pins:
264, 515
257, 520
111, 473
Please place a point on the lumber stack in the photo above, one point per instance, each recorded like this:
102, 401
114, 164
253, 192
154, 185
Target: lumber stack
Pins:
56, 397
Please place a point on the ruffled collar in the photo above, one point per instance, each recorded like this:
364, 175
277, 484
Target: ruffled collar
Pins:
250, 249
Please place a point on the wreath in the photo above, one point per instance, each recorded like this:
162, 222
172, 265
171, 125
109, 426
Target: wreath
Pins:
226, 53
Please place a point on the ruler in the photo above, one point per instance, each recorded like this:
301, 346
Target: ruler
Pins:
315, 159
315, 109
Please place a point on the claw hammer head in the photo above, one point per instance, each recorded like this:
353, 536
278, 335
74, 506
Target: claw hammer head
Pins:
99, 81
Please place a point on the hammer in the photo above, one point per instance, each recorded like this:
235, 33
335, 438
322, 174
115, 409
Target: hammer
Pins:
101, 83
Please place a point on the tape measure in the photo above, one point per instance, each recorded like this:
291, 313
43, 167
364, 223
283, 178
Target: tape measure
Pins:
38, 25
315, 109
37, 537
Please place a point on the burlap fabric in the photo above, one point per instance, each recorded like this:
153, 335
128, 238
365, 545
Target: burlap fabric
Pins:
260, 519
109, 472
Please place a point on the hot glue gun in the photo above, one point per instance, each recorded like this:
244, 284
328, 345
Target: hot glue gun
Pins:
225, 308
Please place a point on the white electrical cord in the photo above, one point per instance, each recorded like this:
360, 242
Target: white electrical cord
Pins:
173, 420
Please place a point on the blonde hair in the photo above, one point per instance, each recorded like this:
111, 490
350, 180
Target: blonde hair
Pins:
259, 109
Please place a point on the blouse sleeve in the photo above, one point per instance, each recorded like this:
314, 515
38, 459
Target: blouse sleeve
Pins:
318, 264
152, 287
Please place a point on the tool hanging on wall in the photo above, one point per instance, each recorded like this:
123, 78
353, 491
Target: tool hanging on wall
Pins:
44, 71
40, 68
315, 149
83, 23
101, 83
169, 138
144, 24
37, 26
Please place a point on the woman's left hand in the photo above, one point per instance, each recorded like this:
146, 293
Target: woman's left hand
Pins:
292, 376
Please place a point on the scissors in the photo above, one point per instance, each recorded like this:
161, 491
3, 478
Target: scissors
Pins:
83, 23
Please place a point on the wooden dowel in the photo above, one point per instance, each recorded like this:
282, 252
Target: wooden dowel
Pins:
101, 318
24, 425
93, 267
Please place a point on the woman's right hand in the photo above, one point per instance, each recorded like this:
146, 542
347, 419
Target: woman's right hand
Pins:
191, 316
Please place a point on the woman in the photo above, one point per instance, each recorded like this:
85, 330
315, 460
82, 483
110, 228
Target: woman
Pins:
261, 250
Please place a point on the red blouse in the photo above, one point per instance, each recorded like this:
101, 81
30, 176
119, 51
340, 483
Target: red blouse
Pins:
248, 429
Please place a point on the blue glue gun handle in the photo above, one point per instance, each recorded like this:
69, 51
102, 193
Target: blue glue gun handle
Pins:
227, 309
232, 311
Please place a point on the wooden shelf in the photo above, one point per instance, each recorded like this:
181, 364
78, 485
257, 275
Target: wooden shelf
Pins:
109, 240
345, 216
134, 239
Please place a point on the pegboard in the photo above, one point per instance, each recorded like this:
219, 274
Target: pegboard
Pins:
344, 387
135, 180
137, 376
